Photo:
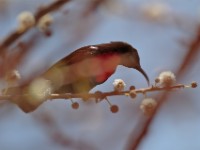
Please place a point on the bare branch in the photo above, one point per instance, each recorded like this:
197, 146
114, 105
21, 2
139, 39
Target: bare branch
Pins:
187, 61
29, 102
13, 36
190, 56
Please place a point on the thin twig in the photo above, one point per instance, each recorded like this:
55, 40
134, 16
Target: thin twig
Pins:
191, 55
138, 135
52, 130
100, 95
187, 61
13, 36
113, 93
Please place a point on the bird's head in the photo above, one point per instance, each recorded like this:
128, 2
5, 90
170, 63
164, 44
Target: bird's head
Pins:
130, 57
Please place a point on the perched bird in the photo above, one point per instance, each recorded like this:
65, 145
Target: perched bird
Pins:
92, 65
87, 67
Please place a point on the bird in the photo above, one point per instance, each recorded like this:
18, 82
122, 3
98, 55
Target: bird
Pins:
92, 65
85, 68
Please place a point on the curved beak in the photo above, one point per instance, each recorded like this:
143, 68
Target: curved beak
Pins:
143, 73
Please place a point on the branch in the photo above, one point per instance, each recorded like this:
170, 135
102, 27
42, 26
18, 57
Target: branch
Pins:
13, 36
29, 102
103, 95
187, 62
191, 55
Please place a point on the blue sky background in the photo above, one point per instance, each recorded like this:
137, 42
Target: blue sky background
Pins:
93, 126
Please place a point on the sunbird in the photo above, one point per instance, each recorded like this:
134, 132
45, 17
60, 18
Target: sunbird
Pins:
84, 69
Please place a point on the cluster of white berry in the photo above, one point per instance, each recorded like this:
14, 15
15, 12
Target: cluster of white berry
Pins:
156, 11
41, 89
148, 105
27, 20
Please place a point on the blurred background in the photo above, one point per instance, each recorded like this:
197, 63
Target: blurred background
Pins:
166, 34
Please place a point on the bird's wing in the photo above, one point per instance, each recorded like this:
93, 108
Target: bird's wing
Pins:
77, 56
87, 52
